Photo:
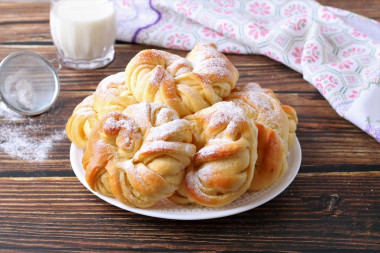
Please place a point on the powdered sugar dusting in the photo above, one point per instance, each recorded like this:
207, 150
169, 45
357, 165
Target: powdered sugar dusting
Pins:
141, 114
226, 121
165, 115
8, 114
170, 147
206, 152
179, 67
112, 126
157, 76
211, 148
111, 87
205, 50
163, 132
265, 106
117, 78
206, 172
146, 55
111, 122
20, 145
214, 66
226, 112
209, 61
260, 100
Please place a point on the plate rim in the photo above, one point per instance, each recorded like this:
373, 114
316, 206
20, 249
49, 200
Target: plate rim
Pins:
295, 152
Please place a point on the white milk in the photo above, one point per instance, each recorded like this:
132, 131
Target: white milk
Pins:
83, 30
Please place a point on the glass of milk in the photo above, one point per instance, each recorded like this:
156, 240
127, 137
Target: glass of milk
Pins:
83, 32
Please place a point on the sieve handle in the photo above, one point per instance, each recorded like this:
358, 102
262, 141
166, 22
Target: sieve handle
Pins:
58, 62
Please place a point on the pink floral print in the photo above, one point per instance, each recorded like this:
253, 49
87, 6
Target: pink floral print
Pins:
167, 27
295, 10
272, 55
257, 31
224, 6
209, 33
353, 51
327, 15
367, 72
296, 24
346, 64
227, 30
259, 9
311, 53
186, 7
357, 33
126, 3
179, 41
297, 53
354, 94
326, 82
231, 50
225, 3
327, 29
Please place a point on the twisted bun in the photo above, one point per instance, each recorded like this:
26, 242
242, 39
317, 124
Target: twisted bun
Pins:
111, 95
188, 84
276, 125
223, 166
138, 156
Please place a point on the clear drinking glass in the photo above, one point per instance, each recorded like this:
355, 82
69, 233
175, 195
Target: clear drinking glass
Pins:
83, 32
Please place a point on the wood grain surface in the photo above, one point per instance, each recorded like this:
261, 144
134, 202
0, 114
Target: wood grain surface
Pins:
332, 205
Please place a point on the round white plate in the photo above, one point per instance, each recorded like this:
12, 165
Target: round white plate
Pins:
168, 210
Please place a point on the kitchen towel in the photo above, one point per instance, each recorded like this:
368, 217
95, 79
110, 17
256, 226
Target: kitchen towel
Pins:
337, 51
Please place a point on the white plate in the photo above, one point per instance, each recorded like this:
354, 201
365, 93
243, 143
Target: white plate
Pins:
168, 210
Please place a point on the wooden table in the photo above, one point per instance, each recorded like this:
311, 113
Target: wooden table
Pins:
333, 204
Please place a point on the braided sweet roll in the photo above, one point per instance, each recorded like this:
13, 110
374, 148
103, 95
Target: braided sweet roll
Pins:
139, 156
223, 167
276, 125
111, 95
188, 84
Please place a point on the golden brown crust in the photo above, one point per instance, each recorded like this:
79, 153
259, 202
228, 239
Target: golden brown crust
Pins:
271, 158
81, 121
142, 152
223, 167
293, 121
138, 156
188, 84
111, 95
262, 106
276, 125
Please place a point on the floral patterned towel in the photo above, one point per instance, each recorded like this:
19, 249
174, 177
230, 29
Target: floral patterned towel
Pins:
337, 51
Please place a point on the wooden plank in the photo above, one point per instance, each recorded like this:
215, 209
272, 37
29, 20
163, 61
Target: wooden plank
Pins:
24, 12
24, 22
318, 211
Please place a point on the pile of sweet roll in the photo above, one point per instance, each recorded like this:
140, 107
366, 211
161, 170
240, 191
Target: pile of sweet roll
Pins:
182, 129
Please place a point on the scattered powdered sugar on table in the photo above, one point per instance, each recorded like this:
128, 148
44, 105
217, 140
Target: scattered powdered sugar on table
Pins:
20, 145
21, 137
8, 114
